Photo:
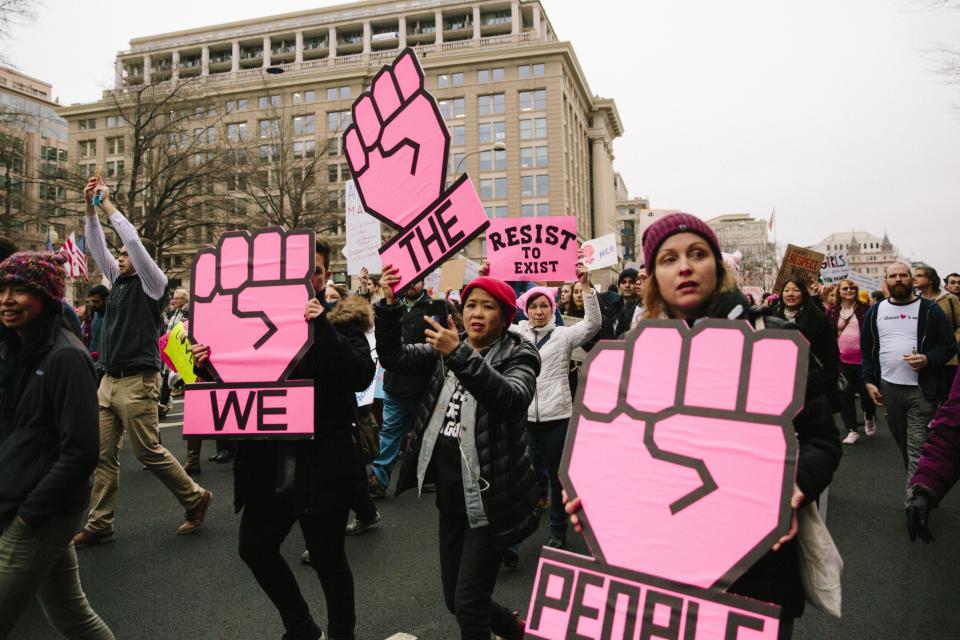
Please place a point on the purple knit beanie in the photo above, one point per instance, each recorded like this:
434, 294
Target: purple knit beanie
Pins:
671, 225
39, 270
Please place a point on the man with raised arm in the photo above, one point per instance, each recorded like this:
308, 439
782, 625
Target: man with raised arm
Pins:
130, 389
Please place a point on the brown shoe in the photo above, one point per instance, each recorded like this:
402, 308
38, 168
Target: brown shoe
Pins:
195, 516
377, 490
86, 537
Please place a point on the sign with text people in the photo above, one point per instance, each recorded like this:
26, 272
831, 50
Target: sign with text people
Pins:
538, 249
397, 149
247, 302
698, 422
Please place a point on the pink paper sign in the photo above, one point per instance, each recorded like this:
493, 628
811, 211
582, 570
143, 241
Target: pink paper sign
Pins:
700, 422
533, 248
397, 150
573, 597
248, 297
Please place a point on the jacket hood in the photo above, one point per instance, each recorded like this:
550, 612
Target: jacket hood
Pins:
353, 311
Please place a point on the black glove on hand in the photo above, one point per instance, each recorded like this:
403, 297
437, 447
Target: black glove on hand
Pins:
918, 514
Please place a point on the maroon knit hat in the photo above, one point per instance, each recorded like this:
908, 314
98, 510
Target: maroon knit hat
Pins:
39, 270
671, 225
497, 288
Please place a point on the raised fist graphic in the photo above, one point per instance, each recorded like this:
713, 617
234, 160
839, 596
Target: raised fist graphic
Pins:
687, 434
397, 152
397, 145
248, 299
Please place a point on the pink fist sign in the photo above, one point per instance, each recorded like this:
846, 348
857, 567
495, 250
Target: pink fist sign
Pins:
247, 304
683, 455
397, 151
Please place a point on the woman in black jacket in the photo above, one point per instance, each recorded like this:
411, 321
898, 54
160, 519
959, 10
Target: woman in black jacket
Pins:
49, 446
688, 281
278, 482
799, 307
470, 441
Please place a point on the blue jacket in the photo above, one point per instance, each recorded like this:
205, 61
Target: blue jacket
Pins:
934, 340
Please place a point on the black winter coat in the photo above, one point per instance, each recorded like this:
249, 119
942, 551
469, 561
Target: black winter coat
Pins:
816, 328
408, 385
503, 387
49, 431
328, 466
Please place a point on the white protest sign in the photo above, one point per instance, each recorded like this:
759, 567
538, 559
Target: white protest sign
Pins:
601, 252
834, 268
472, 271
363, 236
867, 283
365, 397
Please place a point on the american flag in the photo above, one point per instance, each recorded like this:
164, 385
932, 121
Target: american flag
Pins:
76, 260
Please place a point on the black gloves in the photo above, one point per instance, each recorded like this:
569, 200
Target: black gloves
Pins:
918, 513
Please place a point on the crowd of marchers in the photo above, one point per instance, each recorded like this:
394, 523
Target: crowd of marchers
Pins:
478, 393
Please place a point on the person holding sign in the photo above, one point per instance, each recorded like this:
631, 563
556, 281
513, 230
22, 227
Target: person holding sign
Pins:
689, 281
470, 441
549, 413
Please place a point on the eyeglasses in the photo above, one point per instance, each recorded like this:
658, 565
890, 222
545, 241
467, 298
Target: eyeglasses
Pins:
848, 288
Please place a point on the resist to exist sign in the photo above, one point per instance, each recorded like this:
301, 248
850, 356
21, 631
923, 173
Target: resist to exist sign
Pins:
533, 248
248, 297
699, 421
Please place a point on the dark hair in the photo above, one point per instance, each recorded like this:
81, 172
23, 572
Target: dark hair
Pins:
323, 248
23, 355
931, 275
7, 248
877, 296
99, 290
953, 275
806, 299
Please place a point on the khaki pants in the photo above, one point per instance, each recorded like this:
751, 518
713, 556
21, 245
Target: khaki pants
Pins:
41, 562
130, 404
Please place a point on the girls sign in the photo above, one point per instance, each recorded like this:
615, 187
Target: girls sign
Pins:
533, 248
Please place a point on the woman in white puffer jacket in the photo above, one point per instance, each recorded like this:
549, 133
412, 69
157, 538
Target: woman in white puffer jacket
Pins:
552, 406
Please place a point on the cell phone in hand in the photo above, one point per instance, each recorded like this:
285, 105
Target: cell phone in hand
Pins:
438, 311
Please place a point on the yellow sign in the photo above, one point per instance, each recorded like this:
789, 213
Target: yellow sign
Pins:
178, 350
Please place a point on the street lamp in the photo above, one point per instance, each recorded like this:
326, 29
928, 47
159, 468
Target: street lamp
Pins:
499, 145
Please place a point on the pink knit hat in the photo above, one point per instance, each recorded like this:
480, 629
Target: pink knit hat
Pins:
546, 292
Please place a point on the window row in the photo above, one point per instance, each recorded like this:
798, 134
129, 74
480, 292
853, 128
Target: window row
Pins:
494, 104
496, 74
297, 98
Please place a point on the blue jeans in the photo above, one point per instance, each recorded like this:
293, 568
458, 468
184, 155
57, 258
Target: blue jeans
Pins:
398, 415
545, 441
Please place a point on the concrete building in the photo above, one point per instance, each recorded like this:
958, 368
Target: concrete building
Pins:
866, 253
628, 229
33, 154
742, 232
523, 121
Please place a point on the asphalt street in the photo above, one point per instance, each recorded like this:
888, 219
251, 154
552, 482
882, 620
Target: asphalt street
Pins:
152, 584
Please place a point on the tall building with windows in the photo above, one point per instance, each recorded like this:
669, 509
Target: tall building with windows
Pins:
866, 253
748, 235
523, 120
33, 154
629, 229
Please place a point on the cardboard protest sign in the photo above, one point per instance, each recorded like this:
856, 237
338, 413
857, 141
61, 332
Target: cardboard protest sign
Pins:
397, 149
798, 264
247, 301
867, 283
699, 421
533, 248
178, 351
834, 268
366, 396
601, 252
452, 274
363, 235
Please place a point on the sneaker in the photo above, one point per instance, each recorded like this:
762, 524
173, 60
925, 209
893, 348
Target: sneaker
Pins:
87, 538
510, 558
870, 426
359, 526
305, 557
851, 438
195, 516
557, 542
377, 490
542, 503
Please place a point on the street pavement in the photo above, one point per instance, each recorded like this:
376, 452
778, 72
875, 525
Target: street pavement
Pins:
152, 584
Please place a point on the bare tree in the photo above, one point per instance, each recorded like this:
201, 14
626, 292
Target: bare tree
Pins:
13, 13
276, 170
170, 136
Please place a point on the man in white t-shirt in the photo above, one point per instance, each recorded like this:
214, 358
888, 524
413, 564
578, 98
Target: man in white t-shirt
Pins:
905, 344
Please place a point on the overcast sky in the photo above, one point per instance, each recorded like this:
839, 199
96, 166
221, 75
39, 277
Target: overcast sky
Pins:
828, 110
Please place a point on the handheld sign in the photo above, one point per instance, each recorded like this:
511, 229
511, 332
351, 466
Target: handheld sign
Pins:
798, 264
247, 304
699, 422
363, 235
397, 150
834, 268
601, 252
177, 350
533, 248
